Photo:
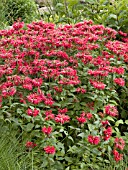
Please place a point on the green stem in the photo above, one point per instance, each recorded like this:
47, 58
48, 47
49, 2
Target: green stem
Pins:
32, 160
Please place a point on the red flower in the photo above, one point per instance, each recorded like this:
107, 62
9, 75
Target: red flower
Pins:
111, 110
119, 143
104, 123
30, 144
47, 130
107, 133
98, 85
93, 139
119, 81
50, 149
63, 111
117, 155
34, 112
89, 116
62, 118
81, 119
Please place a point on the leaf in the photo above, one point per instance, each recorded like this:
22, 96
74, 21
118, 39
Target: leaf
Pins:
112, 16
81, 134
110, 118
126, 121
19, 111
119, 122
29, 127
69, 137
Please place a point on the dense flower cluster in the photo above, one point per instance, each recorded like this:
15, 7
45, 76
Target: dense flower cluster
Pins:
61, 77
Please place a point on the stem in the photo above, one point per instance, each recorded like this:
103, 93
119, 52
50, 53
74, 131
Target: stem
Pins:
32, 160
49, 165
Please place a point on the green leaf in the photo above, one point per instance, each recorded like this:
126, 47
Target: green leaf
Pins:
119, 122
29, 127
126, 121
81, 134
69, 137
112, 16
110, 118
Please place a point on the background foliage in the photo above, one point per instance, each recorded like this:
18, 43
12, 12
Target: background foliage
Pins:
13, 10
111, 13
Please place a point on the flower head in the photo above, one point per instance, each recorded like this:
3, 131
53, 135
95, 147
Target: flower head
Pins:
50, 149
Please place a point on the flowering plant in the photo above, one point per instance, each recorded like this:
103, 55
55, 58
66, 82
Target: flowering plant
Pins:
60, 86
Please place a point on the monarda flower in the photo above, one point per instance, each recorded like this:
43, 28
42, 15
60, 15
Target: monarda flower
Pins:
93, 139
63, 111
98, 85
105, 123
107, 133
47, 130
81, 119
50, 149
49, 115
80, 90
111, 110
119, 70
30, 144
10, 91
117, 155
62, 118
33, 113
89, 116
119, 81
119, 143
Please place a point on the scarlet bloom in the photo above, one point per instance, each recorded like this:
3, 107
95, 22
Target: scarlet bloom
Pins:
119, 143
111, 110
89, 116
81, 119
62, 118
49, 115
107, 133
93, 139
104, 123
47, 130
50, 149
119, 81
33, 113
98, 85
80, 90
117, 155
30, 144
63, 111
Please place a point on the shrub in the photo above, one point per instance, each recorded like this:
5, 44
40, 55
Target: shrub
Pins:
25, 10
109, 13
59, 86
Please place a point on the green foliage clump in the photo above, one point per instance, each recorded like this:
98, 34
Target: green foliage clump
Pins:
25, 10
111, 13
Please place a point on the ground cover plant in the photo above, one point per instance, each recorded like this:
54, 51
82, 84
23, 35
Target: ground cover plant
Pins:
65, 88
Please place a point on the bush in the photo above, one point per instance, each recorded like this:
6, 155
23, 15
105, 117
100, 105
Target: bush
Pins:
109, 13
59, 85
25, 10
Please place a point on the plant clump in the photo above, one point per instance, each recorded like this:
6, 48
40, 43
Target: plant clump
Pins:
59, 84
